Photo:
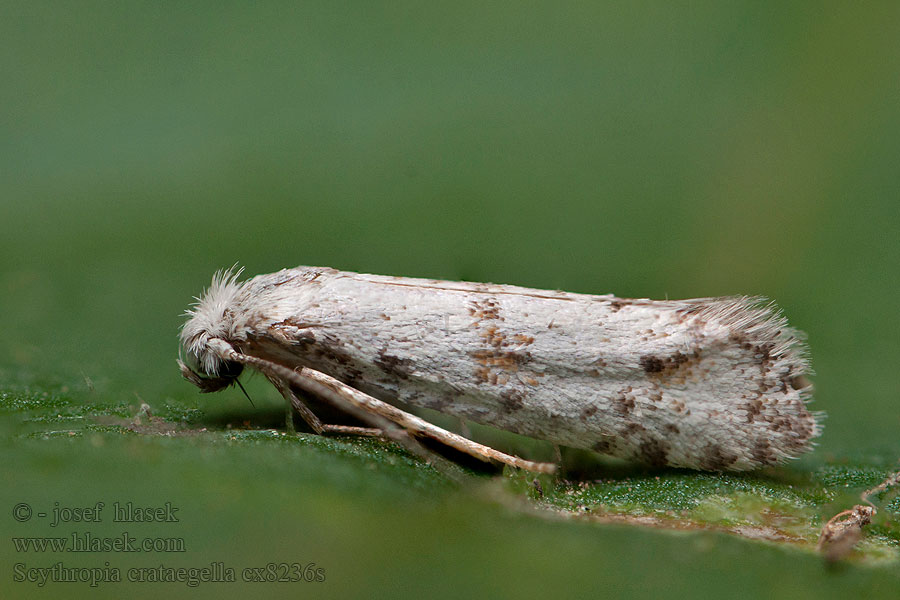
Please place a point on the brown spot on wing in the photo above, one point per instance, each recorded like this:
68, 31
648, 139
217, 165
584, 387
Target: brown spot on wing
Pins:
294, 322
652, 364
588, 412
753, 408
606, 445
631, 428
617, 304
716, 458
510, 361
623, 401
512, 399
394, 365
762, 452
485, 309
654, 452
493, 336
674, 368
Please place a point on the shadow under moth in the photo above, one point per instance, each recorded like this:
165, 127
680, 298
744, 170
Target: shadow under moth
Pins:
712, 384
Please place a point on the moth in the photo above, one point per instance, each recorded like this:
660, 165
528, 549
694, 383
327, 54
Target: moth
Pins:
711, 384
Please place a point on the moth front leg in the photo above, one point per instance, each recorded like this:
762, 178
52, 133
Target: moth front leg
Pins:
396, 424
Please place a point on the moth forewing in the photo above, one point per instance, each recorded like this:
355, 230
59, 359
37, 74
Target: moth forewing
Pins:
715, 384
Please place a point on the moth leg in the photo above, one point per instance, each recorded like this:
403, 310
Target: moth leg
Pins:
421, 427
371, 410
289, 419
295, 404
384, 429
395, 434
350, 430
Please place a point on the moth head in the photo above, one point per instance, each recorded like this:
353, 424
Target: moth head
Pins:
227, 375
211, 317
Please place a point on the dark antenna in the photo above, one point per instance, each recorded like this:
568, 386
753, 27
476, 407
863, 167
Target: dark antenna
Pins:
238, 382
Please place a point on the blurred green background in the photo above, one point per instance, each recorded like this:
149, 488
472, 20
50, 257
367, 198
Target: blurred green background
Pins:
648, 150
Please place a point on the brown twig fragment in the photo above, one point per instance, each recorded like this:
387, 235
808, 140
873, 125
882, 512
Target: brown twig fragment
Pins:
844, 530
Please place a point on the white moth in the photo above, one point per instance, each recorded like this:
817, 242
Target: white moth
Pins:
713, 384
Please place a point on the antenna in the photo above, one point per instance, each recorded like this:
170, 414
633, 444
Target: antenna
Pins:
238, 382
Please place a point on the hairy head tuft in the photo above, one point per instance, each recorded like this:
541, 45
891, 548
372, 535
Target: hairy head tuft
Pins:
211, 316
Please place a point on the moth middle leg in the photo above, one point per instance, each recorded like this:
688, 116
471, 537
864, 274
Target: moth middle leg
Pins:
297, 405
